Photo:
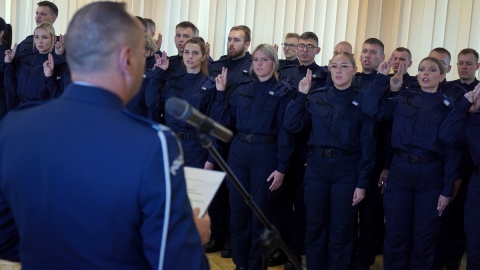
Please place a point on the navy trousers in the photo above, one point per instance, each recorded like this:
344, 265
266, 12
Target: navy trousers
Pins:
329, 187
472, 222
252, 164
411, 218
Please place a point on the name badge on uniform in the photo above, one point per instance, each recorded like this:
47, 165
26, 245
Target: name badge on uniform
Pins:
446, 102
204, 88
314, 76
144, 76
244, 71
355, 103
271, 93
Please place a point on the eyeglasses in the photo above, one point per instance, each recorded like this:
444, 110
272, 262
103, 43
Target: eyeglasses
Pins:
341, 66
289, 45
309, 47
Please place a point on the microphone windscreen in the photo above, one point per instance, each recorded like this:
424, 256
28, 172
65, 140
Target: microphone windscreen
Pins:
178, 108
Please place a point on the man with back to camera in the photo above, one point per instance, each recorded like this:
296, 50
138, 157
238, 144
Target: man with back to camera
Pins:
96, 187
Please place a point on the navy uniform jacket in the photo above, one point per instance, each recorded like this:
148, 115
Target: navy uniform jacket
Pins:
384, 153
336, 123
451, 89
282, 63
416, 116
238, 71
28, 80
137, 104
3, 97
460, 128
295, 74
83, 185
468, 87
258, 108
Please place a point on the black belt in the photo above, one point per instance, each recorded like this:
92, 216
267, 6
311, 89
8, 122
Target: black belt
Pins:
183, 136
255, 138
331, 152
416, 159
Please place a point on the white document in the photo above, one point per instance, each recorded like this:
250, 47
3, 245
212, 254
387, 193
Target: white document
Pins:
202, 186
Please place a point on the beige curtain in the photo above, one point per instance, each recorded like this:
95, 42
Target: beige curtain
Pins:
419, 25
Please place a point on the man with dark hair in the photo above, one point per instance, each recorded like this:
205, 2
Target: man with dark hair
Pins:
47, 12
467, 65
237, 61
450, 89
401, 60
103, 189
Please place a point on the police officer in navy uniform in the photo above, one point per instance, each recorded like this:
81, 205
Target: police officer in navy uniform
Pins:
370, 228
403, 57
259, 152
467, 65
238, 62
461, 127
451, 242
193, 86
97, 187
137, 104
183, 32
422, 174
38, 76
291, 218
46, 12
289, 47
341, 156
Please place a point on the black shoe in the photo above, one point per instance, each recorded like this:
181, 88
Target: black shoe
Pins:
277, 258
289, 264
212, 246
226, 251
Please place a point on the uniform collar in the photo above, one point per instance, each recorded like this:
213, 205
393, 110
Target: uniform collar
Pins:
87, 93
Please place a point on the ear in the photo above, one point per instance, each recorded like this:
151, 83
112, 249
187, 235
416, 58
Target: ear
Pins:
247, 44
409, 64
124, 61
204, 57
448, 69
478, 66
442, 77
318, 50
1, 33
383, 58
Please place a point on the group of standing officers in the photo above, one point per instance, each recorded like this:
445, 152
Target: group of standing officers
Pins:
347, 164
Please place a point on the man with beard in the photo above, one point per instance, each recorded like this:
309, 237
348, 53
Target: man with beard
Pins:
237, 61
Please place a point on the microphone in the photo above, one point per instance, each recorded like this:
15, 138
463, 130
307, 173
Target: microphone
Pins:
180, 109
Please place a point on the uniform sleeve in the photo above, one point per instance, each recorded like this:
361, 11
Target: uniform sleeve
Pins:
367, 148
154, 98
183, 245
296, 115
51, 84
286, 139
375, 104
452, 129
9, 79
451, 160
224, 110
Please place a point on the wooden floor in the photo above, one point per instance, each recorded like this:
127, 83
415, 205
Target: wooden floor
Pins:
219, 263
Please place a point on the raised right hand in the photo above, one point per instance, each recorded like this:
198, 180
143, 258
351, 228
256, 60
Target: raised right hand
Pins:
10, 54
306, 83
162, 61
221, 80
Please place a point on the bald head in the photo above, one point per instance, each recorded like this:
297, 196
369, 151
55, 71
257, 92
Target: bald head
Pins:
343, 46
99, 24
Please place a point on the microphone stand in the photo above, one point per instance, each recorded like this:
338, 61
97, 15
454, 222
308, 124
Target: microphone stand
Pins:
270, 239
